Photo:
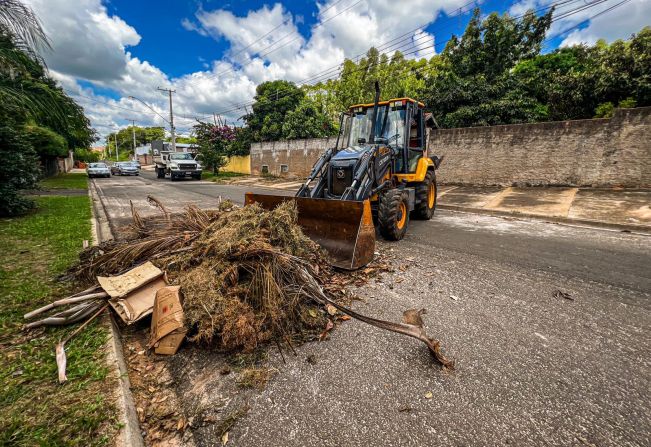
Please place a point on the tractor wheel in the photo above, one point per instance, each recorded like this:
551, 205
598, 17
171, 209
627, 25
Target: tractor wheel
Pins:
425, 197
393, 214
160, 172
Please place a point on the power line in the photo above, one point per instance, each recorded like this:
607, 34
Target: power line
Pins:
576, 10
262, 52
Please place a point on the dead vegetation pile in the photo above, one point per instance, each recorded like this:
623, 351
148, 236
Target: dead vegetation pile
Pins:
248, 276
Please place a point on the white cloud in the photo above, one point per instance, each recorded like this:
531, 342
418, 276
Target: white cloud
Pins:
578, 26
265, 44
87, 43
619, 23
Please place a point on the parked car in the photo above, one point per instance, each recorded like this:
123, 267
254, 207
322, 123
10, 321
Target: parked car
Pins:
97, 170
124, 168
136, 163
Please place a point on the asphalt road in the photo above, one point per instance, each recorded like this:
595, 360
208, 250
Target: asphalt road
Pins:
532, 369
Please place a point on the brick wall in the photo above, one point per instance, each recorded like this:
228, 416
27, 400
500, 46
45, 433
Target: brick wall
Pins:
599, 152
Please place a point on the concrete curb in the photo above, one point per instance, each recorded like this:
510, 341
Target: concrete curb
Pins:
129, 435
639, 229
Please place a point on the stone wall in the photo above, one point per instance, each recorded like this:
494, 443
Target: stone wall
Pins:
597, 152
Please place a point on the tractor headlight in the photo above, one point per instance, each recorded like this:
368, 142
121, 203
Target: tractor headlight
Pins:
174, 166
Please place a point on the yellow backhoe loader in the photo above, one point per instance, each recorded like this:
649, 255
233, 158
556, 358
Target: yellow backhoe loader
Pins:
378, 173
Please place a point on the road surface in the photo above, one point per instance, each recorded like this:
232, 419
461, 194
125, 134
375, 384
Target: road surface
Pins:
532, 369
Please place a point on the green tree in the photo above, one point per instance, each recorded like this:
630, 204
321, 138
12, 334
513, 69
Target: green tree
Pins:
214, 144
144, 136
273, 100
307, 121
472, 84
46, 142
19, 167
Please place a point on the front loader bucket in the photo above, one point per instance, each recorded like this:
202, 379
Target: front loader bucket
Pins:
344, 228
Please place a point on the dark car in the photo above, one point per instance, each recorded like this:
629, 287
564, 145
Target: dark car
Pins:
124, 168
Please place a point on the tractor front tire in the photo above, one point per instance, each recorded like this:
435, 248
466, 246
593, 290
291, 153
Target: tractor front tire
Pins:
425, 197
160, 172
393, 214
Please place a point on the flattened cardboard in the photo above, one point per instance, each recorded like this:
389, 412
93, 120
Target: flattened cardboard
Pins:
167, 322
139, 303
121, 285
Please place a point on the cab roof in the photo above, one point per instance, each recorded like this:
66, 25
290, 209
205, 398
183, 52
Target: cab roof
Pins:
383, 103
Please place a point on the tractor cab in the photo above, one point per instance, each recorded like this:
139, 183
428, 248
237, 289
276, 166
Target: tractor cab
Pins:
399, 125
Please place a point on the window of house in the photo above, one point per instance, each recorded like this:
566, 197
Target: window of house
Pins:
284, 168
265, 169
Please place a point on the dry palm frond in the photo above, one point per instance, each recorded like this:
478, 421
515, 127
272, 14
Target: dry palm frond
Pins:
153, 201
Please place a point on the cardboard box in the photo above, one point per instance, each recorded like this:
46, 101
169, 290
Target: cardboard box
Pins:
167, 322
133, 293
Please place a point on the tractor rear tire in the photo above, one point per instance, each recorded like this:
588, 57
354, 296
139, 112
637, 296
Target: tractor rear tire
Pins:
425, 197
393, 214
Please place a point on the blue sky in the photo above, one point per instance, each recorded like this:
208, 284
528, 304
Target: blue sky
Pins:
177, 51
214, 53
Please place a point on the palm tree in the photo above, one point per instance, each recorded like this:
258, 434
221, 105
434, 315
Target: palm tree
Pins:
20, 24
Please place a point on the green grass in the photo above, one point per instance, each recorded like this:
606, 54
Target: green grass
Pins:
66, 181
34, 408
205, 175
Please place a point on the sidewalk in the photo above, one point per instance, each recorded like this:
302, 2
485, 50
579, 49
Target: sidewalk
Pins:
617, 208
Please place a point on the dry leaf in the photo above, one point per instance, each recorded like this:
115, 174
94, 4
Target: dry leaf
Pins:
328, 328
428, 395
180, 424
225, 438
331, 309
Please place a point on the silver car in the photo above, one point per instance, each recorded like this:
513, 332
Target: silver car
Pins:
98, 170
125, 168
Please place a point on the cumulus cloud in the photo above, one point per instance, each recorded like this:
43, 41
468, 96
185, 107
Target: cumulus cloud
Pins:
620, 23
87, 43
581, 26
264, 44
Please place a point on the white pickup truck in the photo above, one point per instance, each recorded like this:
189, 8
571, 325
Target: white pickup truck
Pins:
177, 165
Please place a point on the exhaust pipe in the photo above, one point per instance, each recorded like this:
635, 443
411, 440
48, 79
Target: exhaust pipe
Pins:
371, 139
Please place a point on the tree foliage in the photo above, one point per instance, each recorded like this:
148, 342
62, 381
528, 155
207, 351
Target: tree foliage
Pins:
144, 136
37, 117
214, 144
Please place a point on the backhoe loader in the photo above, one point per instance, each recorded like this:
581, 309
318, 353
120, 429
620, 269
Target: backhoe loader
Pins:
378, 173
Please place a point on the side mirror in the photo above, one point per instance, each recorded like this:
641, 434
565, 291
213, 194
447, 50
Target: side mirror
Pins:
361, 140
381, 140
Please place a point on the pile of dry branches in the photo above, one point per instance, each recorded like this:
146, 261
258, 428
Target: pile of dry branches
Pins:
248, 276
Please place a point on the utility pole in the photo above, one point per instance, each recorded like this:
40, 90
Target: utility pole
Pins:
117, 152
170, 91
133, 131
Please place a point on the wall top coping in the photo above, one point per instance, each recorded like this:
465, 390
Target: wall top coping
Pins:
618, 115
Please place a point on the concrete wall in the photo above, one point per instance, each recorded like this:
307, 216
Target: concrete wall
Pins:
599, 152
297, 155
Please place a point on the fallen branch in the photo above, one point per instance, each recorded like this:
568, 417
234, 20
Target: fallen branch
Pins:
309, 285
65, 302
69, 316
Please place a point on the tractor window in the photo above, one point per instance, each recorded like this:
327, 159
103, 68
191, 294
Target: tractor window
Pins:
394, 128
358, 126
416, 131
